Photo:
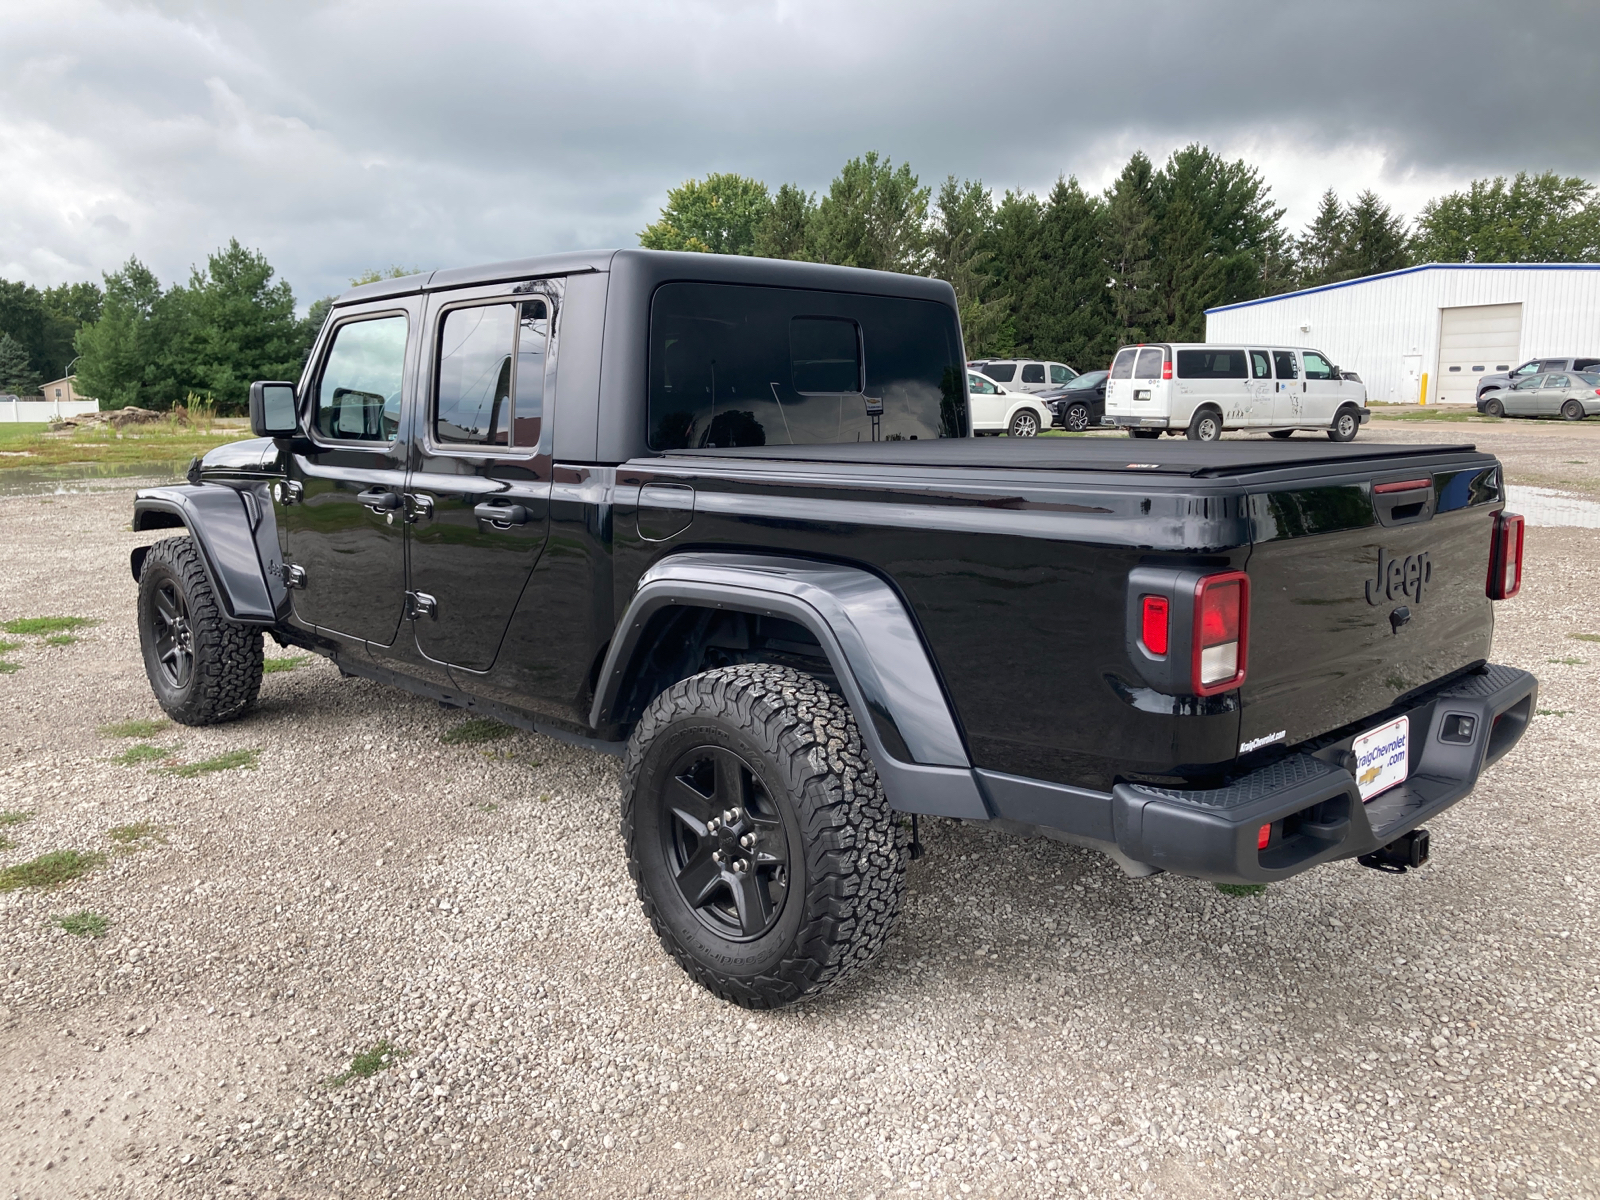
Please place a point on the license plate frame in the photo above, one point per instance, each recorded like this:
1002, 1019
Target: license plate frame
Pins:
1383, 757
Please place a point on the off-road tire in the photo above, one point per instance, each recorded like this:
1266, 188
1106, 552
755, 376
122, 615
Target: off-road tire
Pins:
847, 852
1280, 434
1206, 426
1493, 408
1024, 424
223, 676
1572, 410
1346, 424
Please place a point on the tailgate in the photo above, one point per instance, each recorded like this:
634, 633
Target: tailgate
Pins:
1361, 594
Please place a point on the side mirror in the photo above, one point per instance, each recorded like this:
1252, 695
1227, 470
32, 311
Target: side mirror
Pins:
272, 410
1336, 374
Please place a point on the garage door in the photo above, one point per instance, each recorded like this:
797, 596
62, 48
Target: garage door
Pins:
1474, 342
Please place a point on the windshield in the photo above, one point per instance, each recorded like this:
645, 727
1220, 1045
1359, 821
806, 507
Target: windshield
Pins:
732, 365
1091, 379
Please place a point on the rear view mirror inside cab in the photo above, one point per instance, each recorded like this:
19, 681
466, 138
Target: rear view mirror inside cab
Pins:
272, 410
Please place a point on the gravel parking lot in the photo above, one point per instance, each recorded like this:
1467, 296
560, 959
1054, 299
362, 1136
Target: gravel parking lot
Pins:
1039, 1026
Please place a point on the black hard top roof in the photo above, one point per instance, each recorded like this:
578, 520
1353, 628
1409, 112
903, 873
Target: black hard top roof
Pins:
1165, 456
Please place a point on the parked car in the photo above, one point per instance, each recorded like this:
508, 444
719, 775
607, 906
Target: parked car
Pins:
801, 605
1534, 366
996, 409
1573, 395
1023, 375
1202, 389
1081, 404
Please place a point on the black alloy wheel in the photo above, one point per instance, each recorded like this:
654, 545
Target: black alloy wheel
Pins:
174, 640
1077, 418
725, 844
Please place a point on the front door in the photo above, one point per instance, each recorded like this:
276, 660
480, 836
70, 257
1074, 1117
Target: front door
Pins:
988, 406
479, 491
1521, 399
341, 517
1322, 391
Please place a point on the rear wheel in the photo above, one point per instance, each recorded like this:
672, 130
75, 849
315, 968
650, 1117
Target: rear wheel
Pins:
1144, 433
1572, 410
1280, 434
1024, 423
1077, 418
1206, 426
1494, 408
759, 839
203, 668
1345, 425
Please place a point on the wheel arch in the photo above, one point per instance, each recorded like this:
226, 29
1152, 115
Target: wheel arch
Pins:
225, 524
858, 625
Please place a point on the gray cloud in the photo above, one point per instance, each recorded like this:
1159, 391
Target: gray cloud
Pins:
338, 137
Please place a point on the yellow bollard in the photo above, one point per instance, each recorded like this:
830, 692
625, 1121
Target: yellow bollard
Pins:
1423, 393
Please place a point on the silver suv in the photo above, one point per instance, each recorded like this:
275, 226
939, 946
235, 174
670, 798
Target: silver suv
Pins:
1025, 375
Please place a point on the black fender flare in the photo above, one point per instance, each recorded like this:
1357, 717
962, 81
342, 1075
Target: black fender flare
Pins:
226, 525
871, 642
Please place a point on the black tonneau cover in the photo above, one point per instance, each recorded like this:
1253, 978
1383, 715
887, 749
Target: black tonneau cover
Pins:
1165, 456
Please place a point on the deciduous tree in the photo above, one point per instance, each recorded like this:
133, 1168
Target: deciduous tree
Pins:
1533, 218
717, 216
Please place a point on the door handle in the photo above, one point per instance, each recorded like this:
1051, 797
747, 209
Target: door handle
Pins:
380, 499
421, 507
501, 516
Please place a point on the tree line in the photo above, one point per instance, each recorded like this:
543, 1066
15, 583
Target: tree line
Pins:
1072, 274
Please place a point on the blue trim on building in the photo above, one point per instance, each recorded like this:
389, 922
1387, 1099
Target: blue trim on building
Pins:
1329, 287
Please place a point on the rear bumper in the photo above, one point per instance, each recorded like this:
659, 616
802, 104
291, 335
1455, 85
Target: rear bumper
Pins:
1123, 422
1311, 800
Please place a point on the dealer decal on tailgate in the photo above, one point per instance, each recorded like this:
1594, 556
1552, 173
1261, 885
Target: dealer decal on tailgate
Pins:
1383, 756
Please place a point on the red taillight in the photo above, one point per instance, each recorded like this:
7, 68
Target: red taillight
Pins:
1405, 485
1505, 557
1153, 624
1263, 837
1221, 632
1166, 368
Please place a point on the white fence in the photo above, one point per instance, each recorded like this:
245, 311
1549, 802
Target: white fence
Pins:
12, 409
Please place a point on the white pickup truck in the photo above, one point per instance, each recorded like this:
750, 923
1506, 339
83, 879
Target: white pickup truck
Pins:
1202, 390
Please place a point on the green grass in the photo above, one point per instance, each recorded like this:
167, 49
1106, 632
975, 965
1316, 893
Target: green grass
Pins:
158, 442
43, 625
1555, 712
1569, 661
8, 647
369, 1062
14, 818
1240, 889
1581, 637
476, 731
61, 639
1429, 414
136, 834
134, 755
8, 667
83, 924
6, 843
272, 666
50, 870
134, 729
232, 760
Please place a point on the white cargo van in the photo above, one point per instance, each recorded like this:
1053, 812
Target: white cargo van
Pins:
1202, 390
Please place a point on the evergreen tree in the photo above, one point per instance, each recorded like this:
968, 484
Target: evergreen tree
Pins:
718, 216
1072, 317
243, 327
1375, 239
957, 233
1534, 218
1013, 243
1130, 253
873, 216
1321, 247
782, 233
120, 354
16, 371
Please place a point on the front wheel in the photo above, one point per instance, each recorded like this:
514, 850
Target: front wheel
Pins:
1206, 426
759, 840
1345, 425
1077, 418
1572, 410
1493, 408
1024, 423
203, 668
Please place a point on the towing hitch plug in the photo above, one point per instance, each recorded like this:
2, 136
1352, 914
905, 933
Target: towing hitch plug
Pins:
1408, 850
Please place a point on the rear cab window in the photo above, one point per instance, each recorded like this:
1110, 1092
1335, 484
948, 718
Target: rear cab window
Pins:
732, 365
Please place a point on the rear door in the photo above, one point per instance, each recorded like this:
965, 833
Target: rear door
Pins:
1288, 400
479, 489
1119, 384
341, 518
1031, 377
1552, 394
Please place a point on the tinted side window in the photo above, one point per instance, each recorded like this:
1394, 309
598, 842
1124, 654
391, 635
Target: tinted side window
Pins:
533, 345
1122, 368
474, 396
1557, 381
1032, 372
1553, 364
1284, 361
1260, 365
1317, 367
1059, 375
1000, 372
358, 396
749, 366
1211, 364
1149, 364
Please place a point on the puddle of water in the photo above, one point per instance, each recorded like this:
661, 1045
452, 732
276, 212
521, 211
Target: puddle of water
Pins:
76, 479
1547, 507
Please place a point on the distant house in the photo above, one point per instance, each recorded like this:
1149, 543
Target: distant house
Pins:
65, 391
60, 399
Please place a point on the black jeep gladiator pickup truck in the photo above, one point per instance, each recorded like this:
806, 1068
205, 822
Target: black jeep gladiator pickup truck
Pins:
725, 517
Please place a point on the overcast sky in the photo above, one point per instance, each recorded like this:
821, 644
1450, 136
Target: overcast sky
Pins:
338, 137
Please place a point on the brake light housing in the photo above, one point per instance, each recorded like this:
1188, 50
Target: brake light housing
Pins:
1189, 629
1505, 557
1166, 368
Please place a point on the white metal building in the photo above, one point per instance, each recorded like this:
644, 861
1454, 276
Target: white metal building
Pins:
1428, 333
